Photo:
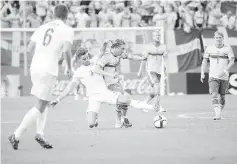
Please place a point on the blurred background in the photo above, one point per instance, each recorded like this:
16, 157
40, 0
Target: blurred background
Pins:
187, 28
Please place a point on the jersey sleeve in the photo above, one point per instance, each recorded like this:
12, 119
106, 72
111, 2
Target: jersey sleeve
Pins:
103, 61
69, 34
231, 54
206, 53
35, 35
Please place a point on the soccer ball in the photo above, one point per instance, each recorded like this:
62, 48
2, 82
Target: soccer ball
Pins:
159, 121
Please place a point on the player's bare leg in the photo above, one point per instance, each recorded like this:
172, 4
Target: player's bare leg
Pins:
92, 113
216, 106
122, 120
92, 119
31, 116
222, 102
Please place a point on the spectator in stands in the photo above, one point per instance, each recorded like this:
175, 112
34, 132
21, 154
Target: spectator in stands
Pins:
13, 18
33, 20
187, 18
200, 18
228, 20
104, 17
126, 18
5, 8
41, 9
171, 16
159, 17
214, 15
82, 18
49, 16
117, 17
93, 18
135, 18
71, 21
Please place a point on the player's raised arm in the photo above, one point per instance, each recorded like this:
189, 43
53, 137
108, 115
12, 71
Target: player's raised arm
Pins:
135, 57
204, 65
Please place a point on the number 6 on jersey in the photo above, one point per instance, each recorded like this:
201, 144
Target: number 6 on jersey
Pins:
48, 36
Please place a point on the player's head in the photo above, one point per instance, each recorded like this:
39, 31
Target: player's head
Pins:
118, 47
156, 35
61, 12
219, 37
82, 56
106, 46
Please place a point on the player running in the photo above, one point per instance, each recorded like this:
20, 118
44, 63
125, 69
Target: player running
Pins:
221, 60
110, 62
48, 41
155, 52
97, 91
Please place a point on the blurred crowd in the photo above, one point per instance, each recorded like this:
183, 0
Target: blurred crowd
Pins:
132, 13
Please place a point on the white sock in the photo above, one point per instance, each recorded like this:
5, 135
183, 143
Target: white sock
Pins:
41, 122
141, 105
28, 119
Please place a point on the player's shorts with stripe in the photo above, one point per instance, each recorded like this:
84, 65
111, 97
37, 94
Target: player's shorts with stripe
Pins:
95, 100
43, 84
218, 86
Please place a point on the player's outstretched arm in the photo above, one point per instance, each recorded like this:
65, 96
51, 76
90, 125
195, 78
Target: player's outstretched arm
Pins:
203, 68
140, 68
70, 87
135, 57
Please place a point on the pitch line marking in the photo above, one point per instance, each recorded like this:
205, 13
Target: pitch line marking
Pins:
197, 115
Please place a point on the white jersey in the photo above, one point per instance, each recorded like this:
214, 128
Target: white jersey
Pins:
219, 60
49, 39
93, 82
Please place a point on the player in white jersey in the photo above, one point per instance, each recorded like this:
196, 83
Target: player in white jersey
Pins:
49, 41
110, 62
156, 53
97, 91
221, 60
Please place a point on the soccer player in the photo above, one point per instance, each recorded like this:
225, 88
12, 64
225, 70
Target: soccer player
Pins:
49, 41
221, 60
110, 62
97, 91
156, 53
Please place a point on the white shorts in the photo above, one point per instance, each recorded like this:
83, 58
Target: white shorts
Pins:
108, 97
43, 84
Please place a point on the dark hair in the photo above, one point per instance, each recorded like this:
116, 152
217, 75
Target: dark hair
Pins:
61, 11
80, 52
117, 44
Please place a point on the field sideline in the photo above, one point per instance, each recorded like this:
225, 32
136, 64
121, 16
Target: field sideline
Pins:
191, 136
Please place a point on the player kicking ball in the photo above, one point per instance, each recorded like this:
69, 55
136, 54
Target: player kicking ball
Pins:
92, 77
221, 60
48, 41
110, 62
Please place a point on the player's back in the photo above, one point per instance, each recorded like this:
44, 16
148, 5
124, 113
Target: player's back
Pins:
49, 39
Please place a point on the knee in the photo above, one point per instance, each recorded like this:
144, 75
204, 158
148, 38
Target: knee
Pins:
214, 95
156, 90
41, 105
222, 100
123, 102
